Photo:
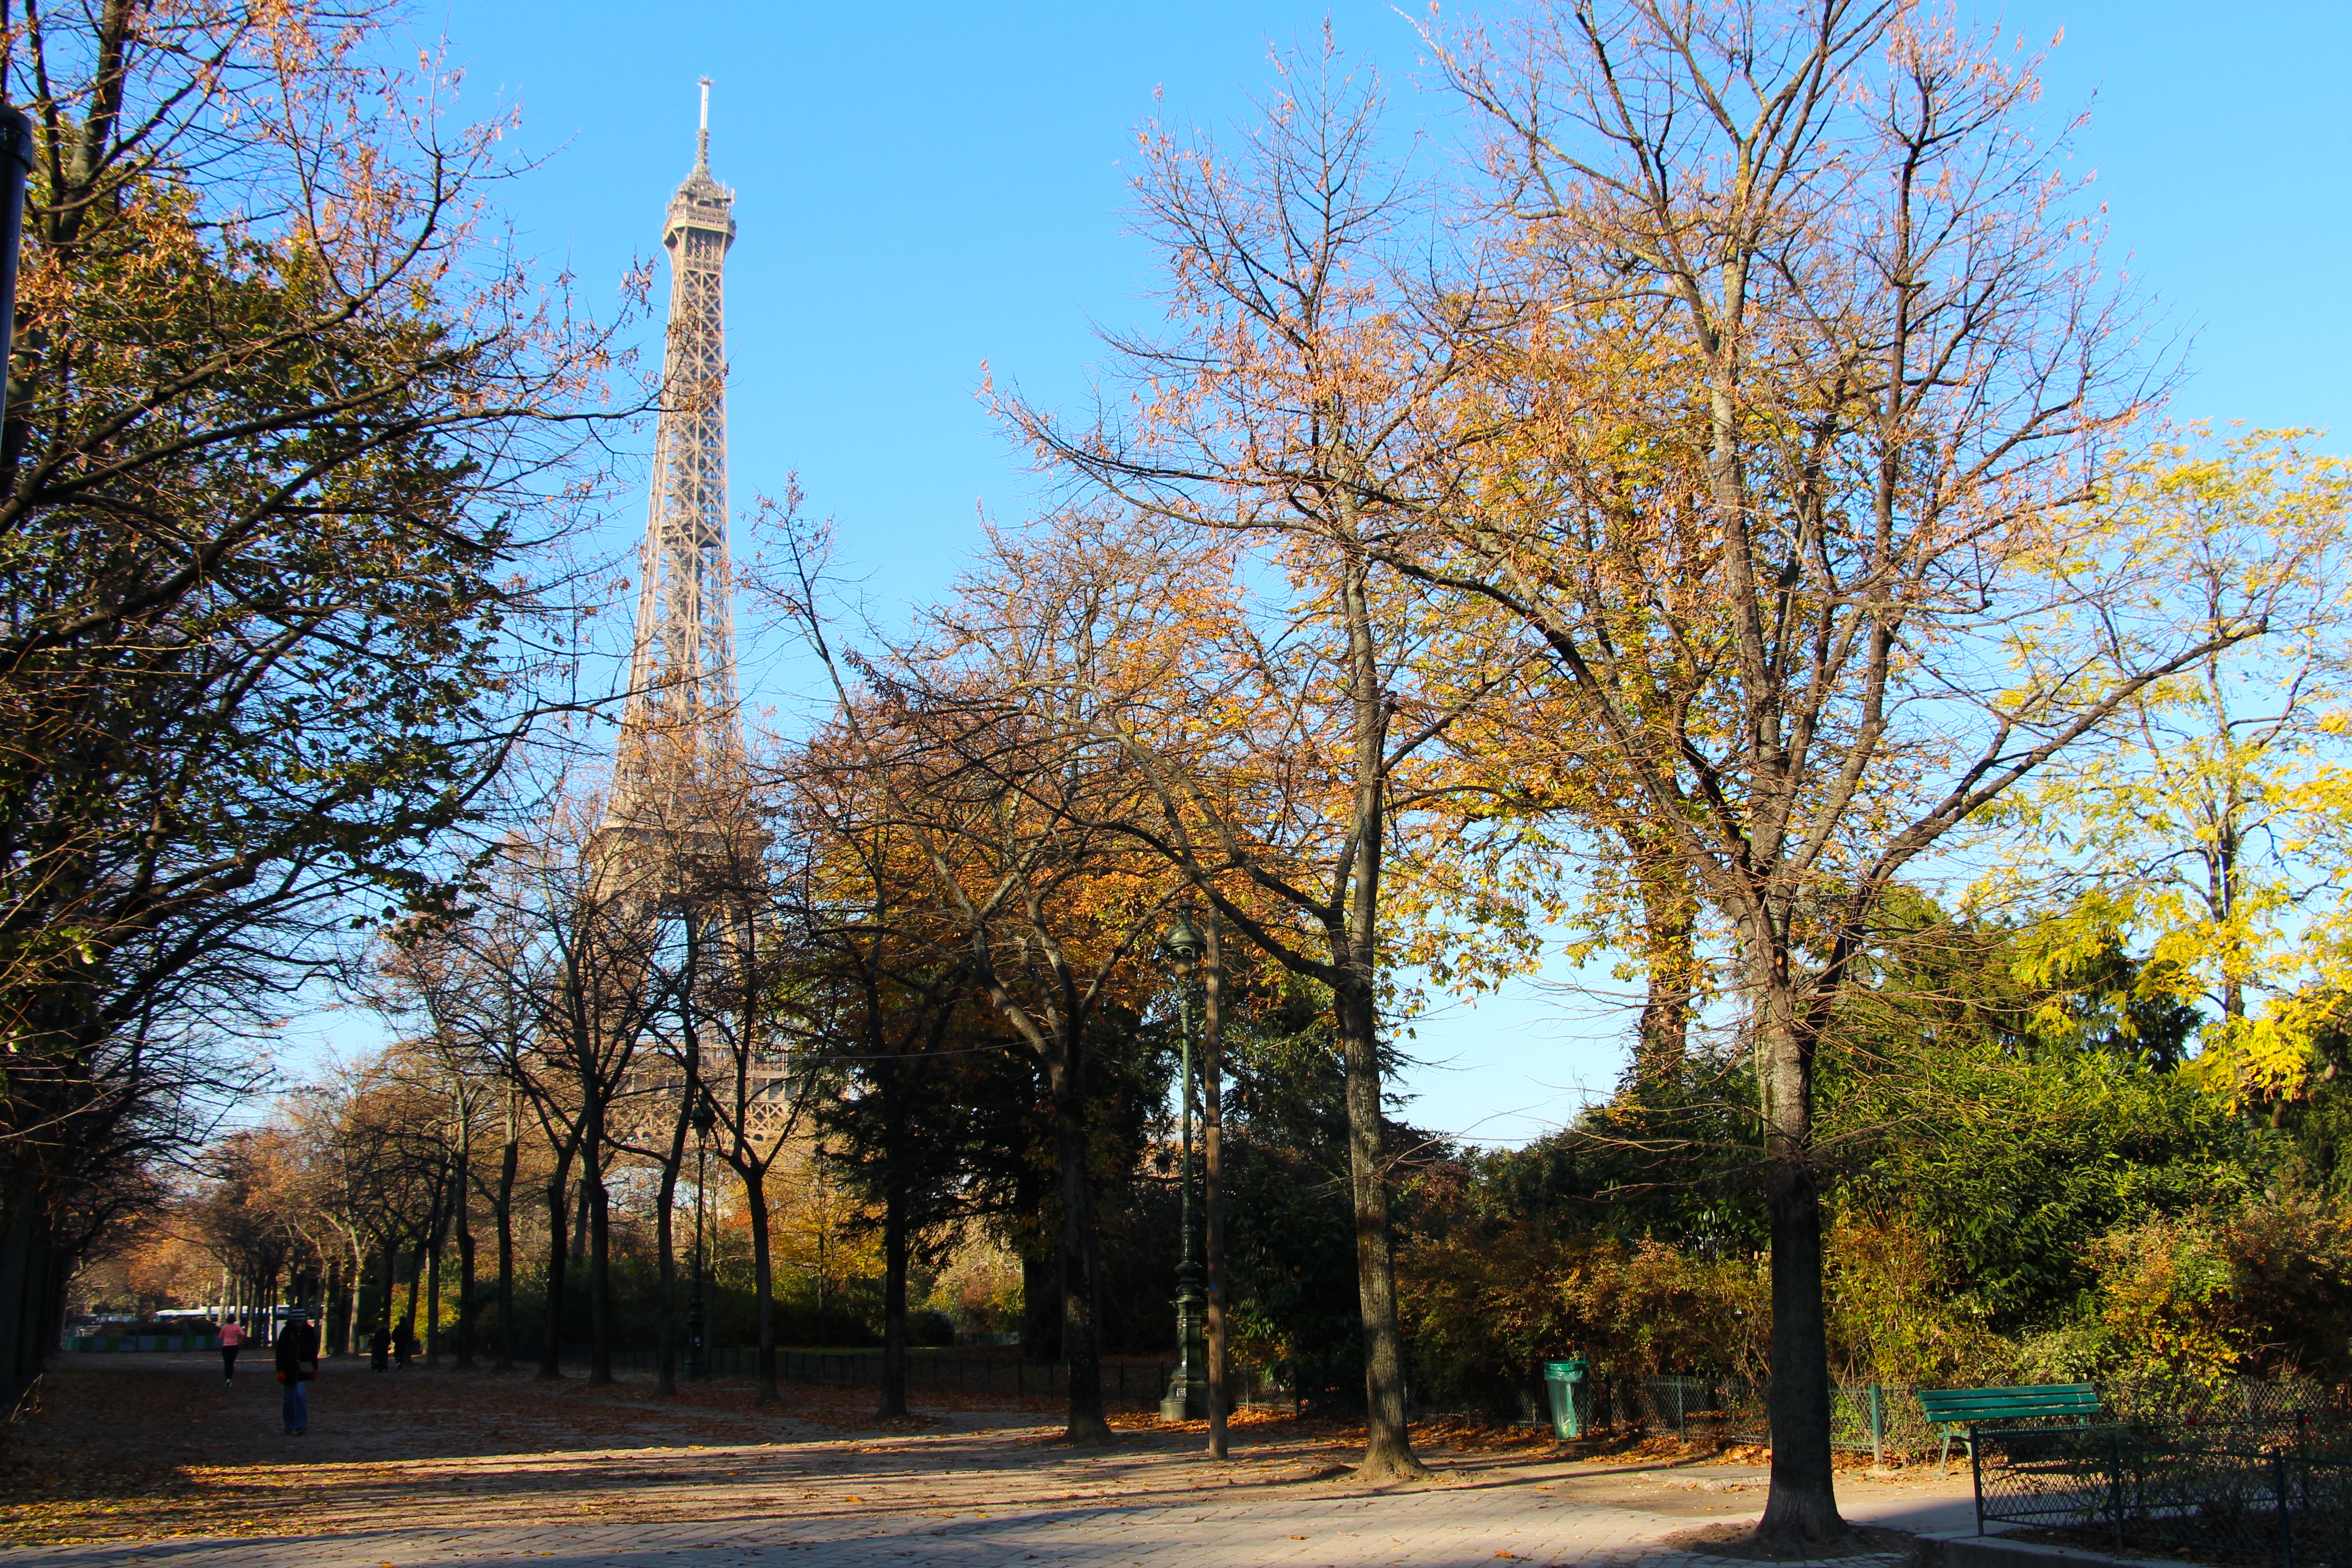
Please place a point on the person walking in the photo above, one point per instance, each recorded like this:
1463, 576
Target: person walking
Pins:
403, 1345
232, 1339
298, 1363
380, 1348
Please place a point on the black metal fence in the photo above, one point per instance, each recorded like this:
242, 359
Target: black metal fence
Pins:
2275, 1491
1880, 1420
2191, 1402
1124, 1383
1871, 1418
1865, 1417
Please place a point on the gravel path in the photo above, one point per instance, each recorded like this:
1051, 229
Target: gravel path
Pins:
150, 1460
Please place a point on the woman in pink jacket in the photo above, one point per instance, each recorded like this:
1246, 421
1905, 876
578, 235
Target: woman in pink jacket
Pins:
231, 1338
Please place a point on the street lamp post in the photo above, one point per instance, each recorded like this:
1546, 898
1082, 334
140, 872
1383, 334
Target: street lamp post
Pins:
697, 1362
15, 163
1188, 1390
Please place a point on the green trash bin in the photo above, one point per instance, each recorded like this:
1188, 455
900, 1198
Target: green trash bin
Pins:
1564, 1381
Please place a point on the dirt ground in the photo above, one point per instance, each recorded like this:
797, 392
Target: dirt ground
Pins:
145, 1447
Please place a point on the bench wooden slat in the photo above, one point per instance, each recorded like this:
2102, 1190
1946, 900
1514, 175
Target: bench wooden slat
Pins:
1957, 1409
1954, 1409
1954, 1405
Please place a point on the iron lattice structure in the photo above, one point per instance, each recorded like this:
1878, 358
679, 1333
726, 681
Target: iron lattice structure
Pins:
681, 735
679, 839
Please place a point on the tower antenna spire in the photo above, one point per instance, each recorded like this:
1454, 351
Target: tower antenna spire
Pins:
702, 137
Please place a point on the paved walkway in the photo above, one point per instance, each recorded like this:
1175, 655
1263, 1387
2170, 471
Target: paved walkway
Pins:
458, 1472
1425, 1532
1443, 1526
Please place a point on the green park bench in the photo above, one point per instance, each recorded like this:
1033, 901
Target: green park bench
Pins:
1960, 1411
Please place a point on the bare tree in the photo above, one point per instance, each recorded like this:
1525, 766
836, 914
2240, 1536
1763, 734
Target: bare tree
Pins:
1297, 406
996, 800
386, 1165
880, 990
551, 933
460, 1059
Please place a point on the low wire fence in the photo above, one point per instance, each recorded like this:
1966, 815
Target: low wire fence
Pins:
2269, 1490
1871, 1418
1887, 1418
140, 1341
1125, 1382
1866, 1418
2188, 1402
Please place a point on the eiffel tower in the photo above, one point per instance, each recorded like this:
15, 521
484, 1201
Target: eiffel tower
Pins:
679, 840
680, 755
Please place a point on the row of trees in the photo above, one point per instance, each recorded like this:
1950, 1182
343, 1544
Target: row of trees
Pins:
292, 447
1721, 502
2013, 1198
1701, 533
1741, 507
357, 1196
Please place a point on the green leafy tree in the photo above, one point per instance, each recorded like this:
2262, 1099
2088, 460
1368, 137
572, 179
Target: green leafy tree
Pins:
2209, 832
280, 428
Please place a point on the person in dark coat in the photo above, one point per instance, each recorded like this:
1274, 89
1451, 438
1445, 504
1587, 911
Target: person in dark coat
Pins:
403, 1345
298, 1362
380, 1348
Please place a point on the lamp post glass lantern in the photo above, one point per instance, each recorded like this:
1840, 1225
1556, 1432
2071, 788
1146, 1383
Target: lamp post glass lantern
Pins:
697, 1362
1188, 1388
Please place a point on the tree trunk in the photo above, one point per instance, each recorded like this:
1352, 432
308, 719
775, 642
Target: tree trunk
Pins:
580, 1224
551, 1354
1669, 957
600, 1258
764, 1284
1213, 1168
51, 1277
1801, 1508
502, 1215
461, 1215
330, 1299
1081, 1347
355, 1336
16, 1281
666, 1261
1388, 1448
894, 1280
390, 1284
433, 1294
415, 1273
28, 1261
1802, 1505
666, 1251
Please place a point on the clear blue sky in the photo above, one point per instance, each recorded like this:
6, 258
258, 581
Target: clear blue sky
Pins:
922, 187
